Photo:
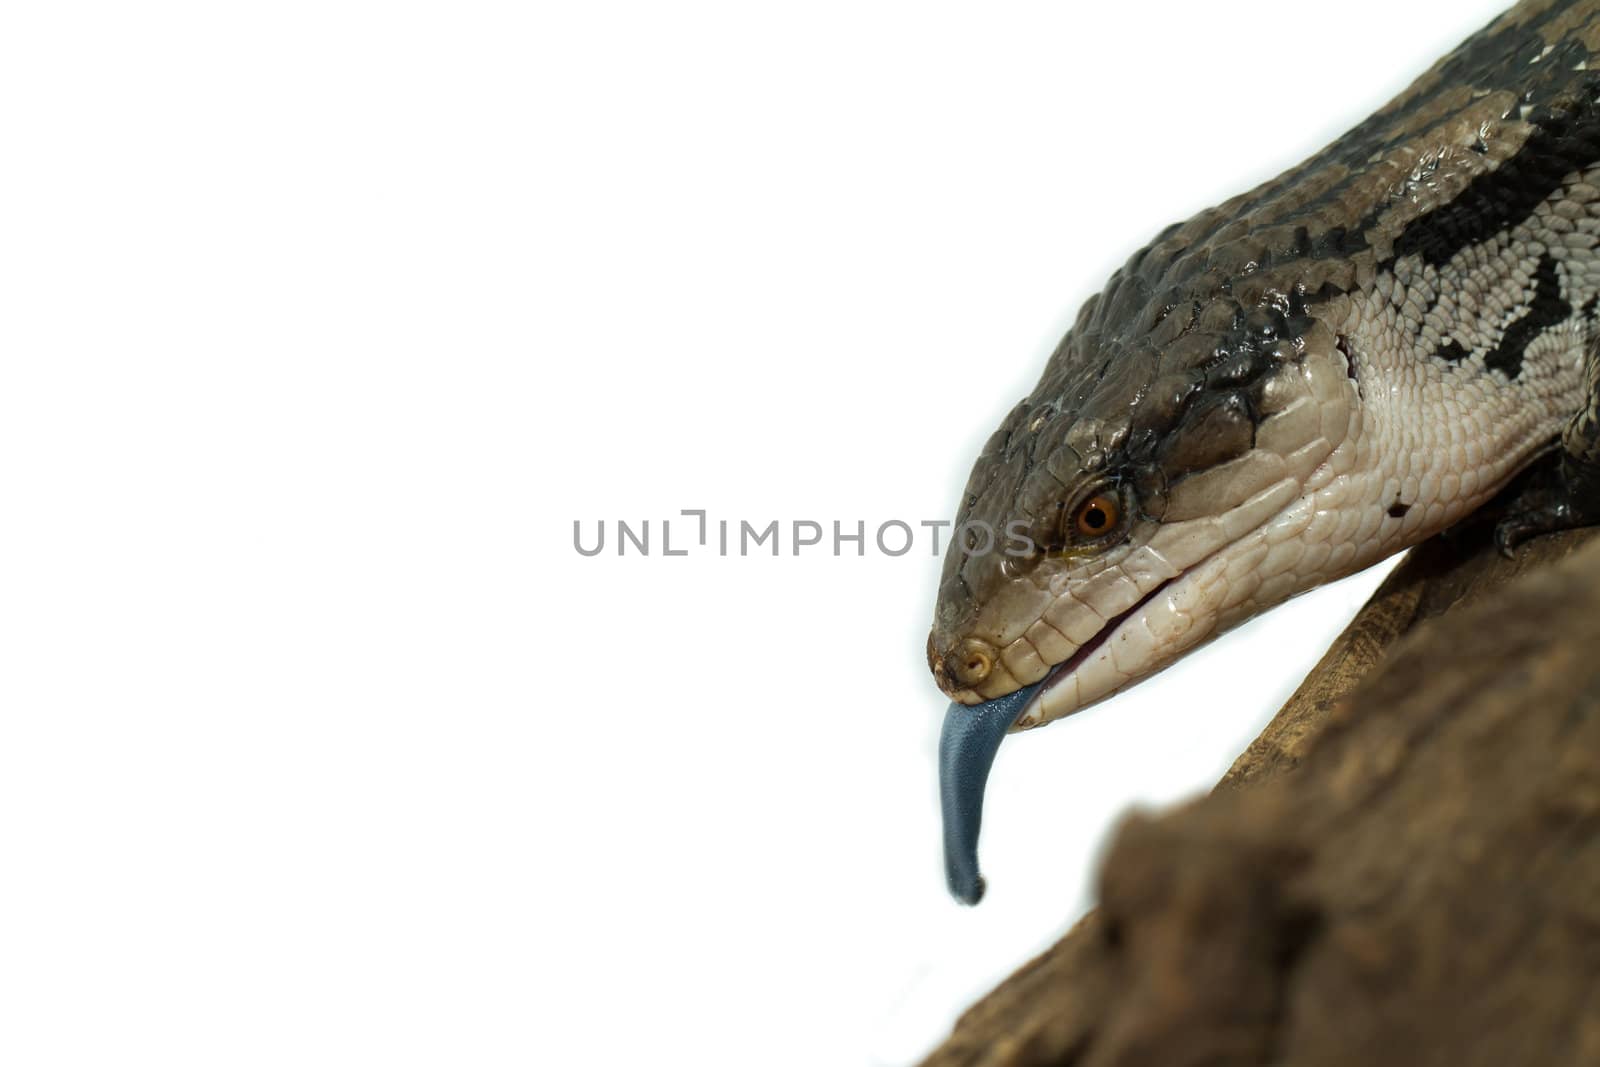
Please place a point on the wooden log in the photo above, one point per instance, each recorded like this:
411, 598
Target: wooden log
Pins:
1404, 868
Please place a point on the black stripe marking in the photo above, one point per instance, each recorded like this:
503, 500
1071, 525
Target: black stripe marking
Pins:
1565, 139
1547, 309
1494, 59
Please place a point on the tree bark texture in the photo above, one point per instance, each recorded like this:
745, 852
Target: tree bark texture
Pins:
1404, 868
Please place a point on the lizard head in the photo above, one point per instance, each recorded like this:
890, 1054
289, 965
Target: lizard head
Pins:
1158, 485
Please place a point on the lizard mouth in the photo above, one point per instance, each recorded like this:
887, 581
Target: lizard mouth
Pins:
971, 738
1058, 674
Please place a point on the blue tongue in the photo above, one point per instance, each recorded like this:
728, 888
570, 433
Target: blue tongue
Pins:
967, 746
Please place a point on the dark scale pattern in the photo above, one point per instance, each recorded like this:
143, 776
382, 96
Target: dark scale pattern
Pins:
1566, 139
1548, 309
1493, 63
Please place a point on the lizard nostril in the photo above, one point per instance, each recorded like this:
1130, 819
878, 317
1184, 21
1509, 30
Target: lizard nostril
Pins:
971, 661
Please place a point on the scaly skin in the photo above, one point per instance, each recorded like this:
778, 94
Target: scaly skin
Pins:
1297, 383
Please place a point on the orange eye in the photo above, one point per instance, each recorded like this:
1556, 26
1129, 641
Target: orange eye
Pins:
1096, 516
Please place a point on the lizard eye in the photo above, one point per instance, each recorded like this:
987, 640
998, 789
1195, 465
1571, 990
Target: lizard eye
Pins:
1096, 521
1095, 516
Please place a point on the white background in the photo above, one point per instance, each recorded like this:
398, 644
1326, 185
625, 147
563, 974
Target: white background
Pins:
323, 322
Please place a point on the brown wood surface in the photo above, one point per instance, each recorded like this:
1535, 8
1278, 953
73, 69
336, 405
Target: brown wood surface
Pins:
1404, 868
